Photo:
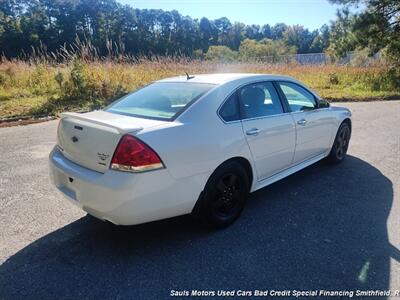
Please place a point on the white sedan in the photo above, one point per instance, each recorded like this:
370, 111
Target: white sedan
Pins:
194, 144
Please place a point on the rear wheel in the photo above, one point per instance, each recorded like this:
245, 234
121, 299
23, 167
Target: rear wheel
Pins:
224, 196
341, 144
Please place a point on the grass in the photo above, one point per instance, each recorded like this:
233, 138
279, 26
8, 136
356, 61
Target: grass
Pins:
45, 88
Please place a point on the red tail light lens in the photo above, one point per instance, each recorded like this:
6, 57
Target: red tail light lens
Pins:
133, 155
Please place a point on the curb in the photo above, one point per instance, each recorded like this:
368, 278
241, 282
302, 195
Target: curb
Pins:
24, 120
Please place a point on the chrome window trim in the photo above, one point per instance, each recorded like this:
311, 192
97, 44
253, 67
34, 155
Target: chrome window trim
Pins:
239, 87
266, 117
316, 99
309, 110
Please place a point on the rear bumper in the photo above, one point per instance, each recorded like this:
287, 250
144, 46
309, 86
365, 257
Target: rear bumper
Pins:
124, 198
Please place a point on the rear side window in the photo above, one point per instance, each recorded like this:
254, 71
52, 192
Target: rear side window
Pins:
259, 100
299, 98
160, 100
230, 110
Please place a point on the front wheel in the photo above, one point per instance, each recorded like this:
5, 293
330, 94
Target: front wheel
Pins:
341, 144
224, 196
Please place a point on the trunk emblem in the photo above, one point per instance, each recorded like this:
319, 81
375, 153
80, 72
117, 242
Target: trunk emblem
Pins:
103, 156
74, 139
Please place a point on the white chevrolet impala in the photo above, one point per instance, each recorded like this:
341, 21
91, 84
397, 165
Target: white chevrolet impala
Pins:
194, 144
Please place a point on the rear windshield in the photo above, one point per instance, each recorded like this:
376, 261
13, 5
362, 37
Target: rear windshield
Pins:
160, 100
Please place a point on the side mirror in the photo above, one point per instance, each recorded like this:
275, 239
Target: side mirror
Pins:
322, 103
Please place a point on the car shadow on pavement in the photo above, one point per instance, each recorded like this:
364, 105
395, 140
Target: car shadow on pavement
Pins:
322, 228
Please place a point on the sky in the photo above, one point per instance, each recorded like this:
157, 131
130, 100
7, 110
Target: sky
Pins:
310, 13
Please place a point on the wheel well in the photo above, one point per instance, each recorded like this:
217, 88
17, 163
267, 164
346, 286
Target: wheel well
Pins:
245, 164
347, 121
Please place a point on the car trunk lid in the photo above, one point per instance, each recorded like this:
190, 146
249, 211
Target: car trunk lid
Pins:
90, 139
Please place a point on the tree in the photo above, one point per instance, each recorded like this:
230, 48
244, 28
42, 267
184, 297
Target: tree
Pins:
10, 27
206, 32
342, 38
223, 26
377, 26
264, 49
299, 37
253, 32
278, 30
236, 35
321, 40
106, 27
221, 53
266, 31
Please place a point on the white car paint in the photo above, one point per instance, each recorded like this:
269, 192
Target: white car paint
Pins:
191, 148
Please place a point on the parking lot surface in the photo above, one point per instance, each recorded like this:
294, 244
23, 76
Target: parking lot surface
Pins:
326, 227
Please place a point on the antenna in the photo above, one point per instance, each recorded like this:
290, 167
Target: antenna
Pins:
188, 77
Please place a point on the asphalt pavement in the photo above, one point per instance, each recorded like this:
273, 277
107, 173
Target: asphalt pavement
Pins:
326, 227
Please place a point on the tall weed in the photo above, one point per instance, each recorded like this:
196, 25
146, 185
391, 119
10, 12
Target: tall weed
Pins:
44, 87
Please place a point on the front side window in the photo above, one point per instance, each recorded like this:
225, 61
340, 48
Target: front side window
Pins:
299, 98
260, 100
160, 100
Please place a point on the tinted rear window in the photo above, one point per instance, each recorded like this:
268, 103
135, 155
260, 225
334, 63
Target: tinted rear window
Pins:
230, 110
160, 100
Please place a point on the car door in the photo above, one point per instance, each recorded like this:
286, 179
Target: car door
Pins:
313, 125
269, 130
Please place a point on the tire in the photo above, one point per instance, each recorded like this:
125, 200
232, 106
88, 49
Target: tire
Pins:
340, 145
224, 196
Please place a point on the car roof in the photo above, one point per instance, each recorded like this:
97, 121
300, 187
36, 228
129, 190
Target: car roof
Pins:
221, 78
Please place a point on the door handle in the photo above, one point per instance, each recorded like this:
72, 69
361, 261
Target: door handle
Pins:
302, 122
253, 131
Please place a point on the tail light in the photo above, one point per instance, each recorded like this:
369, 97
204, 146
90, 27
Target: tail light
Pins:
133, 155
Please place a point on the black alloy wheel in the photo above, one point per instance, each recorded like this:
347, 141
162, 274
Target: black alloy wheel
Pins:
341, 144
224, 196
227, 197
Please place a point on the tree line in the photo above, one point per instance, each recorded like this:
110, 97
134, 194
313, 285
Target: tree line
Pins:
109, 26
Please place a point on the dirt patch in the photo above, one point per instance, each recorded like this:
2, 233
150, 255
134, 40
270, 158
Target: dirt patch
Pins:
24, 121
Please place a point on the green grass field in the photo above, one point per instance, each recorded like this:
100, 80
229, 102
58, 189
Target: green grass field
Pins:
48, 88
